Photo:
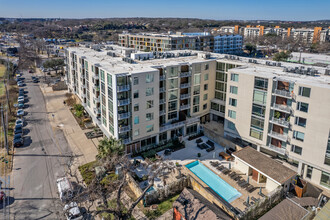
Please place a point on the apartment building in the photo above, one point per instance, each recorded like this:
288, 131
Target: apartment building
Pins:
146, 99
203, 41
282, 113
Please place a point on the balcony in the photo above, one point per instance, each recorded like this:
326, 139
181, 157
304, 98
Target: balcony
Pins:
126, 140
184, 107
95, 77
123, 102
283, 108
192, 120
280, 121
97, 111
124, 88
185, 96
162, 101
162, 77
185, 85
178, 124
83, 95
96, 99
277, 149
96, 88
123, 129
163, 89
282, 137
185, 74
283, 93
124, 115
162, 113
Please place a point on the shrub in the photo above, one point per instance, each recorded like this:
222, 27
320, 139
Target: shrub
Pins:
199, 155
78, 107
79, 114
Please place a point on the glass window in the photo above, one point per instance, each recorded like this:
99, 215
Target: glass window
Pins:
197, 79
204, 106
150, 128
220, 86
221, 76
135, 80
136, 120
150, 104
304, 91
232, 114
298, 135
234, 77
260, 97
205, 97
149, 91
296, 149
172, 115
302, 106
136, 94
220, 95
173, 72
300, 121
196, 100
173, 94
173, 83
256, 133
196, 90
309, 172
231, 126
136, 107
136, 132
257, 123
172, 106
233, 102
109, 78
196, 108
149, 116
149, 77
206, 87
233, 89
221, 66
222, 108
215, 106
261, 83
206, 77
258, 110
325, 179
206, 67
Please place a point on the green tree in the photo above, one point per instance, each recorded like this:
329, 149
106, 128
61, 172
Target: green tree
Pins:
54, 64
250, 47
282, 56
109, 147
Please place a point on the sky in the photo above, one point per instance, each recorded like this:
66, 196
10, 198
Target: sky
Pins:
293, 10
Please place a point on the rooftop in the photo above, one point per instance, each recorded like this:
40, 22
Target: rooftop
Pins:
264, 164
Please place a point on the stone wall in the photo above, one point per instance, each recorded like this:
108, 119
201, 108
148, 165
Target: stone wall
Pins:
60, 86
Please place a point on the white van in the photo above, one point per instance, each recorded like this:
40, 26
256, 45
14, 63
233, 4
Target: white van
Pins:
64, 188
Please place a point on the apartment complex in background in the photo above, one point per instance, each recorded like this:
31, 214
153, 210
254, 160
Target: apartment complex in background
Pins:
307, 35
145, 99
225, 43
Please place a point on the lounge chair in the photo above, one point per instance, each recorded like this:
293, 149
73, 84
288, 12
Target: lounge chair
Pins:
210, 149
199, 140
251, 189
238, 178
210, 143
254, 199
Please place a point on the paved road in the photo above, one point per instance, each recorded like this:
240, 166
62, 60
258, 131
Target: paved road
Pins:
39, 163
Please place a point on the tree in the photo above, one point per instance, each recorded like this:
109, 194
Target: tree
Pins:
109, 147
282, 56
250, 47
54, 64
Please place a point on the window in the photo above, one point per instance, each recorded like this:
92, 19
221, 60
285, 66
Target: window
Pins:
172, 115
300, 121
220, 86
296, 149
233, 102
149, 91
206, 66
234, 77
173, 83
327, 152
221, 66
149, 78
173, 94
198, 68
309, 172
150, 128
325, 179
222, 108
231, 125
256, 133
196, 90
302, 106
206, 87
136, 132
232, 114
258, 110
149, 116
136, 94
109, 78
298, 135
173, 72
221, 76
261, 83
172, 106
136, 107
233, 89
215, 106
257, 123
205, 97
197, 79
260, 97
196, 100
220, 95
135, 80
136, 120
196, 108
206, 77
204, 106
150, 104
304, 91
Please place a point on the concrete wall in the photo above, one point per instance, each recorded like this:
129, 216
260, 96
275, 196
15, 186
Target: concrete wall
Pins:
271, 185
239, 165
220, 140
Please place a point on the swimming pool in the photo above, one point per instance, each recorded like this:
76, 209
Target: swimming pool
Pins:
221, 187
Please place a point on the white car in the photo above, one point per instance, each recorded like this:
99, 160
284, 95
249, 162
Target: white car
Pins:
72, 211
20, 112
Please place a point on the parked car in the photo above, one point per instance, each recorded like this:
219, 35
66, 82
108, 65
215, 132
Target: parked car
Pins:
21, 99
18, 131
31, 71
35, 80
19, 121
20, 84
72, 211
18, 142
2, 196
65, 188
20, 112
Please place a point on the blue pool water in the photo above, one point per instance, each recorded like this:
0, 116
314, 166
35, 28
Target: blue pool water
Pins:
222, 188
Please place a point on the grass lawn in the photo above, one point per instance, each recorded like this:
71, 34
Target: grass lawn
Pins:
162, 208
2, 73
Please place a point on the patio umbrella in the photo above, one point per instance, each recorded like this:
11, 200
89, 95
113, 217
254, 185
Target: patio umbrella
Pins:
260, 191
248, 179
248, 200
213, 155
229, 166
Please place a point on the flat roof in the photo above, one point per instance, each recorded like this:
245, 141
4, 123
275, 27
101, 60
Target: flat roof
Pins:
324, 213
285, 210
267, 166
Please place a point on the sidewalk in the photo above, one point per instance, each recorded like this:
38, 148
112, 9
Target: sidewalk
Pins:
85, 149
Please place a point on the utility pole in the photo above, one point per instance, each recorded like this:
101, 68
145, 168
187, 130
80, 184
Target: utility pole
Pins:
4, 129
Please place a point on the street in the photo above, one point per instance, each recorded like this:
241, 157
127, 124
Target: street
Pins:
38, 163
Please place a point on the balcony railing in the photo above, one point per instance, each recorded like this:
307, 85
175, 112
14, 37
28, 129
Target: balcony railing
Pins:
184, 85
282, 137
184, 107
284, 108
97, 111
162, 101
123, 129
96, 87
163, 112
96, 99
283, 93
124, 115
163, 89
126, 140
280, 121
277, 149
124, 102
185, 96
185, 74
162, 77
178, 124
124, 88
